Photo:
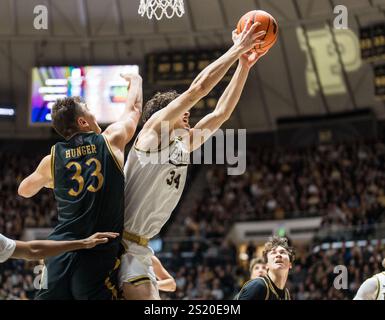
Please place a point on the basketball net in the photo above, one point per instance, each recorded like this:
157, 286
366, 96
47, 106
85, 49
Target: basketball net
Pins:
160, 8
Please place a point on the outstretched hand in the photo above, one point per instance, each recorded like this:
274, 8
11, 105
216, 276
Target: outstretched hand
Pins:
248, 38
130, 76
98, 238
251, 57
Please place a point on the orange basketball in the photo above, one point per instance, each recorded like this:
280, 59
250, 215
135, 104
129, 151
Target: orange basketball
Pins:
268, 24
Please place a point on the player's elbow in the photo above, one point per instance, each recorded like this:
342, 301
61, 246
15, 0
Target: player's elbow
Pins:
23, 190
32, 254
35, 252
172, 286
198, 90
169, 285
221, 116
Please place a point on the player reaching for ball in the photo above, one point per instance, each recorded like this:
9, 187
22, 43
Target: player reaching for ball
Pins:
267, 23
152, 190
86, 174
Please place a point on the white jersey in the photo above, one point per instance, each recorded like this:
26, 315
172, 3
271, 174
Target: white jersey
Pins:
373, 288
7, 247
380, 277
154, 183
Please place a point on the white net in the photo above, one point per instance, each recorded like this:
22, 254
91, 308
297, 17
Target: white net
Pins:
160, 8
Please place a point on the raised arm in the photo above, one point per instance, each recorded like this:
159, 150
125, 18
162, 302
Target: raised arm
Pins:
40, 249
39, 179
207, 126
206, 80
165, 281
121, 132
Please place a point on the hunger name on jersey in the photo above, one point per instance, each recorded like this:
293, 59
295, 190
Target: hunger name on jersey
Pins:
81, 151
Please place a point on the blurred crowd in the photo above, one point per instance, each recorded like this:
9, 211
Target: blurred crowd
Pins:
17, 213
342, 183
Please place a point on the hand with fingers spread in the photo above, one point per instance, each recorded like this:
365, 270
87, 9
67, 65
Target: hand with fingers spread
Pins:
248, 38
249, 58
98, 238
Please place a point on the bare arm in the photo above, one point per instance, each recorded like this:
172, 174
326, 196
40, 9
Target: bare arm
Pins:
205, 81
121, 132
39, 179
368, 290
165, 281
40, 249
207, 126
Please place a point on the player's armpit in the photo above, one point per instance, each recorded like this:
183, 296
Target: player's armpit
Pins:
36, 181
205, 128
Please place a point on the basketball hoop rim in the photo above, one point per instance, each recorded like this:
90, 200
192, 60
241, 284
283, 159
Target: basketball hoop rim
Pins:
161, 8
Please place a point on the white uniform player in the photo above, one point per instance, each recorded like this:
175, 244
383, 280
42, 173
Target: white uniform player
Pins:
159, 188
7, 248
152, 191
373, 288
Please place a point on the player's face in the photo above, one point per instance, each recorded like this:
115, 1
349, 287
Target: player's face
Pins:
278, 259
91, 124
259, 270
184, 121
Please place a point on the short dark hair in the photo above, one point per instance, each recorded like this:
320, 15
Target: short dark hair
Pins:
64, 114
158, 102
255, 261
275, 242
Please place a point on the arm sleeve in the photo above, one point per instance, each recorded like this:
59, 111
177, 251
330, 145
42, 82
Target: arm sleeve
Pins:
253, 290
368, 290
7, 247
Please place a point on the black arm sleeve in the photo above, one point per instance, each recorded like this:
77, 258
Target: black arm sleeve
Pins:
253, 290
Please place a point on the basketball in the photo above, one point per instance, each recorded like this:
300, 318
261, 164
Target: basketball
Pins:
268, 23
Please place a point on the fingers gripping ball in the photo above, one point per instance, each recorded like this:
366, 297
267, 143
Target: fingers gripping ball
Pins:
268, 24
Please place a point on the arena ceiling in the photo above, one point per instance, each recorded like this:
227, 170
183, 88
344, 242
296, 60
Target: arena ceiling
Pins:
290, 81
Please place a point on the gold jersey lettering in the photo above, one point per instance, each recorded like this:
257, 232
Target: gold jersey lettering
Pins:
80, 151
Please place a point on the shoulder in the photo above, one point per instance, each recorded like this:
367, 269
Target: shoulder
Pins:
147, 140
369, 289
373, 281
45, 164
3, 240
255, 289
7, 247
257, 282
103, 139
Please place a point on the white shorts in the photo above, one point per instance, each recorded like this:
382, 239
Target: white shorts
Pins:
136, 265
